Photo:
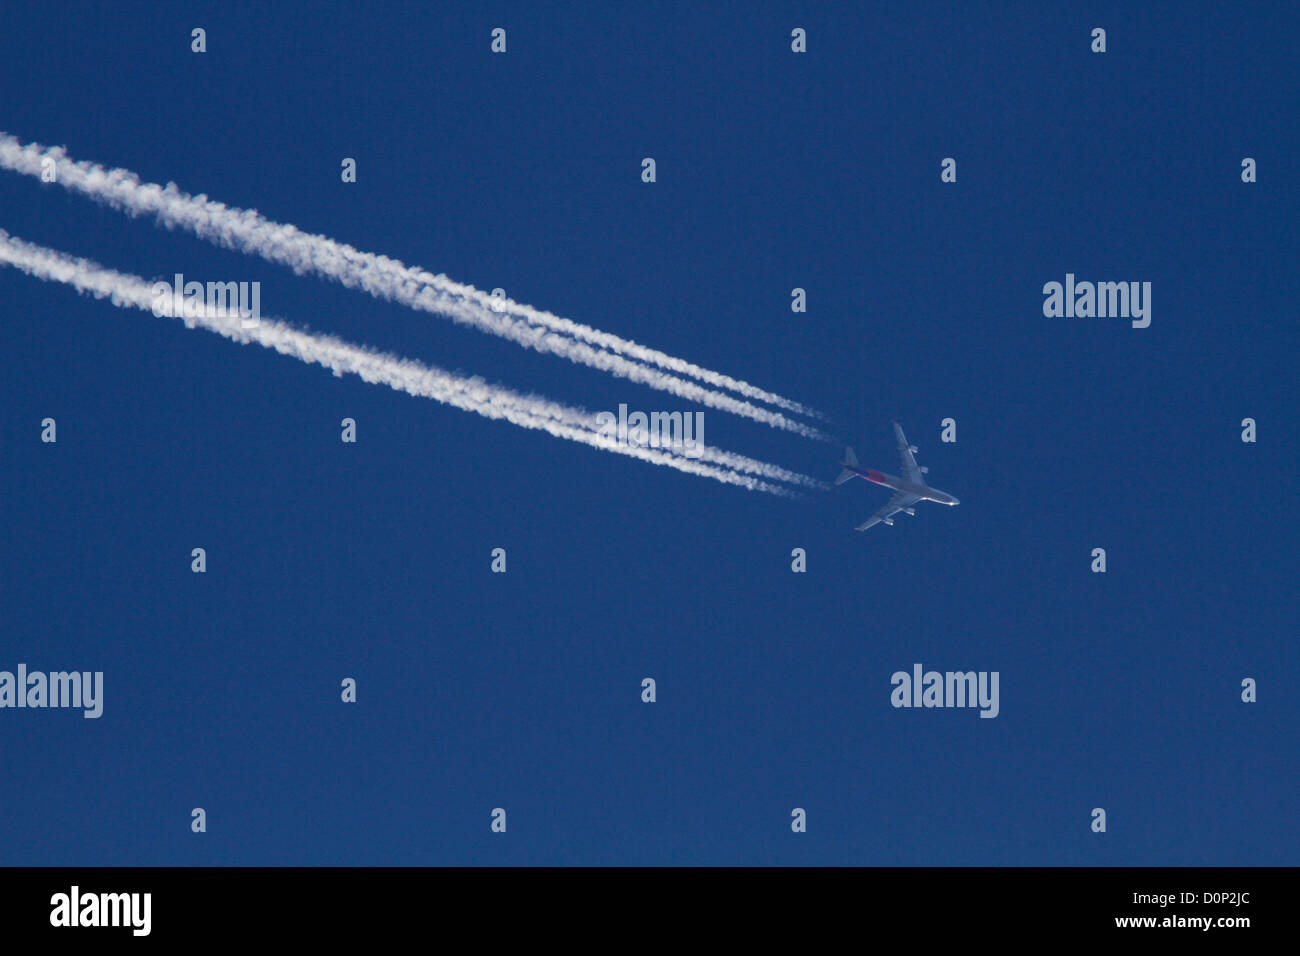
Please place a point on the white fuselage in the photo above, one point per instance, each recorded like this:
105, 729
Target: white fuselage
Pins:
924, 492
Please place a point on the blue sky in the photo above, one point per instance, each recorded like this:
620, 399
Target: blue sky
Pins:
775, 170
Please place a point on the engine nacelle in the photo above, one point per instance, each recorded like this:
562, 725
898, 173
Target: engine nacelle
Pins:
913, 449
888, 521
925, 470
909, 511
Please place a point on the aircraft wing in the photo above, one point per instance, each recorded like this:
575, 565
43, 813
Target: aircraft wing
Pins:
895, 504
911, 470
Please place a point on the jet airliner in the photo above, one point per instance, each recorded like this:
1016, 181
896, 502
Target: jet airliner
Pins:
908, 490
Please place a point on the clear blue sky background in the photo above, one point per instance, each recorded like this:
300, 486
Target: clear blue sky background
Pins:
522, 690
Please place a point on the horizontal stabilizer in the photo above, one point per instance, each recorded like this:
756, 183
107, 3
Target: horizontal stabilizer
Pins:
845, 475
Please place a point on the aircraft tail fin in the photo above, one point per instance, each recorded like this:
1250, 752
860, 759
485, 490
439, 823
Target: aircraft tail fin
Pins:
845, 475
849, 457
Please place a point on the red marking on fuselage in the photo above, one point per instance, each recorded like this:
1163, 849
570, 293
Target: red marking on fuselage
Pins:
877, 477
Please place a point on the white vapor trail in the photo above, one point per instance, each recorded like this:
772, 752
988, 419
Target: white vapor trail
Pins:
246, 230
467, 393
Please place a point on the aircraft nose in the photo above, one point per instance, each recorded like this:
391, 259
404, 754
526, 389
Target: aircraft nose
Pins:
956, 501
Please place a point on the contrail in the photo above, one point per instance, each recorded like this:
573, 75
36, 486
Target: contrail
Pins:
386, 278
467, 393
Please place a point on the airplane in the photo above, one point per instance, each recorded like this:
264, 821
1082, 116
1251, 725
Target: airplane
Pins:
908, 490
